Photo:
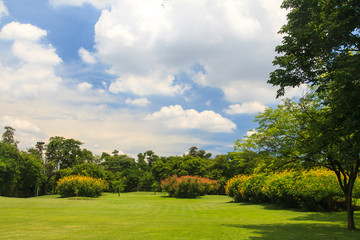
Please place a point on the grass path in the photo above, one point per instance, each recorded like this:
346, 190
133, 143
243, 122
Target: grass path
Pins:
146, 216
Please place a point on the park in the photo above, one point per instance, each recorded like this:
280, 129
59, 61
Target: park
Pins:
293, 176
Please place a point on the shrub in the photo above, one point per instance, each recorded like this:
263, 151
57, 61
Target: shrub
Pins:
189, 186
81, 186
317, 189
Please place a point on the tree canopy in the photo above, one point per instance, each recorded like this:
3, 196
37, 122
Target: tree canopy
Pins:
321, 47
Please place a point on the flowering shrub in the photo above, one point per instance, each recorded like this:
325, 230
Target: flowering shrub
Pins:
312, 190
189, 186
81, 186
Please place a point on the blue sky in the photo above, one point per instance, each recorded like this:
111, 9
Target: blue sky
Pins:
137, 75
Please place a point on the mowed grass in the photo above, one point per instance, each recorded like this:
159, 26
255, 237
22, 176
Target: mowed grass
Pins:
148, 216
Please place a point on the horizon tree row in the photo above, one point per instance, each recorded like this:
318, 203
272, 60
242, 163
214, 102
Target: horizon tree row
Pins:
36, 171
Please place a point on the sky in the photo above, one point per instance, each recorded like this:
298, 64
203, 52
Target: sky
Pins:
137, 75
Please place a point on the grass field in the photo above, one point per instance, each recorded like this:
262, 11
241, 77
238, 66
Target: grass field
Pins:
147, 216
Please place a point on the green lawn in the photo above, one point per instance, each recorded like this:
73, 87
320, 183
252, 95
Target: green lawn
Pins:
147, 216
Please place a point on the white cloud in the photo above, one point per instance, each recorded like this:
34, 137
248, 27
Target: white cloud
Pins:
154, 83
26, 132
251, 107
22, 32
3, 10
138, 102
146, 41
250, 132
85, 86
175, 117
18, 124
233, 40
296, 91
31, 71
249, 91
86, 56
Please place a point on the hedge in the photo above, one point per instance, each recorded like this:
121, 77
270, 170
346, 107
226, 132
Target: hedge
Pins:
316, 189
81, 186
189, 186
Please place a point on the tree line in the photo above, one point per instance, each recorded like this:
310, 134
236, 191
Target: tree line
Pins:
36, 171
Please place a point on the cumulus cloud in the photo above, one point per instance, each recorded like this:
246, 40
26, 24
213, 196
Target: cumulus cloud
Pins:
251, 107
137, 102
22, 32
33, 73
26, 132
146, 41
85, 86
86, 56
175, 117
154, 83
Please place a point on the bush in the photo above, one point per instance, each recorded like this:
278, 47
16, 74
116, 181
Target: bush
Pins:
189, 186
81, 186
316, 189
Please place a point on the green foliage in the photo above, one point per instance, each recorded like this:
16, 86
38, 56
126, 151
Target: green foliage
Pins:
9, 160
20, 172
189, 186
81, 186
320, 47
63, 153
316, 189
89, 170
146, 182
118, 186
9, 136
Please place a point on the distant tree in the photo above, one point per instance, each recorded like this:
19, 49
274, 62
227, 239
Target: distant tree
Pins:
147, 160
20, 172
123, 167
89, 170
146, 182
61, 153
118, 186
87, 156
31, 174
194, 152
64, 152
9, 136
10, 159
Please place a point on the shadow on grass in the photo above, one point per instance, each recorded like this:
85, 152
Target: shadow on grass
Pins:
314, 225
299, 231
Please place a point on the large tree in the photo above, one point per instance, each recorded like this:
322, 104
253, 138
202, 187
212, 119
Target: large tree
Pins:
61, 153
321, 47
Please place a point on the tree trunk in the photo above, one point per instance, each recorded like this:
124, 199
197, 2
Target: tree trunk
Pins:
350, 210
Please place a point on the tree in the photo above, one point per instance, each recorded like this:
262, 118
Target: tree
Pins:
31, 174
194, 152
61, 153
10, 160
321, 47
302, 134
64, 152
122, 167
118, 186
9, 136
